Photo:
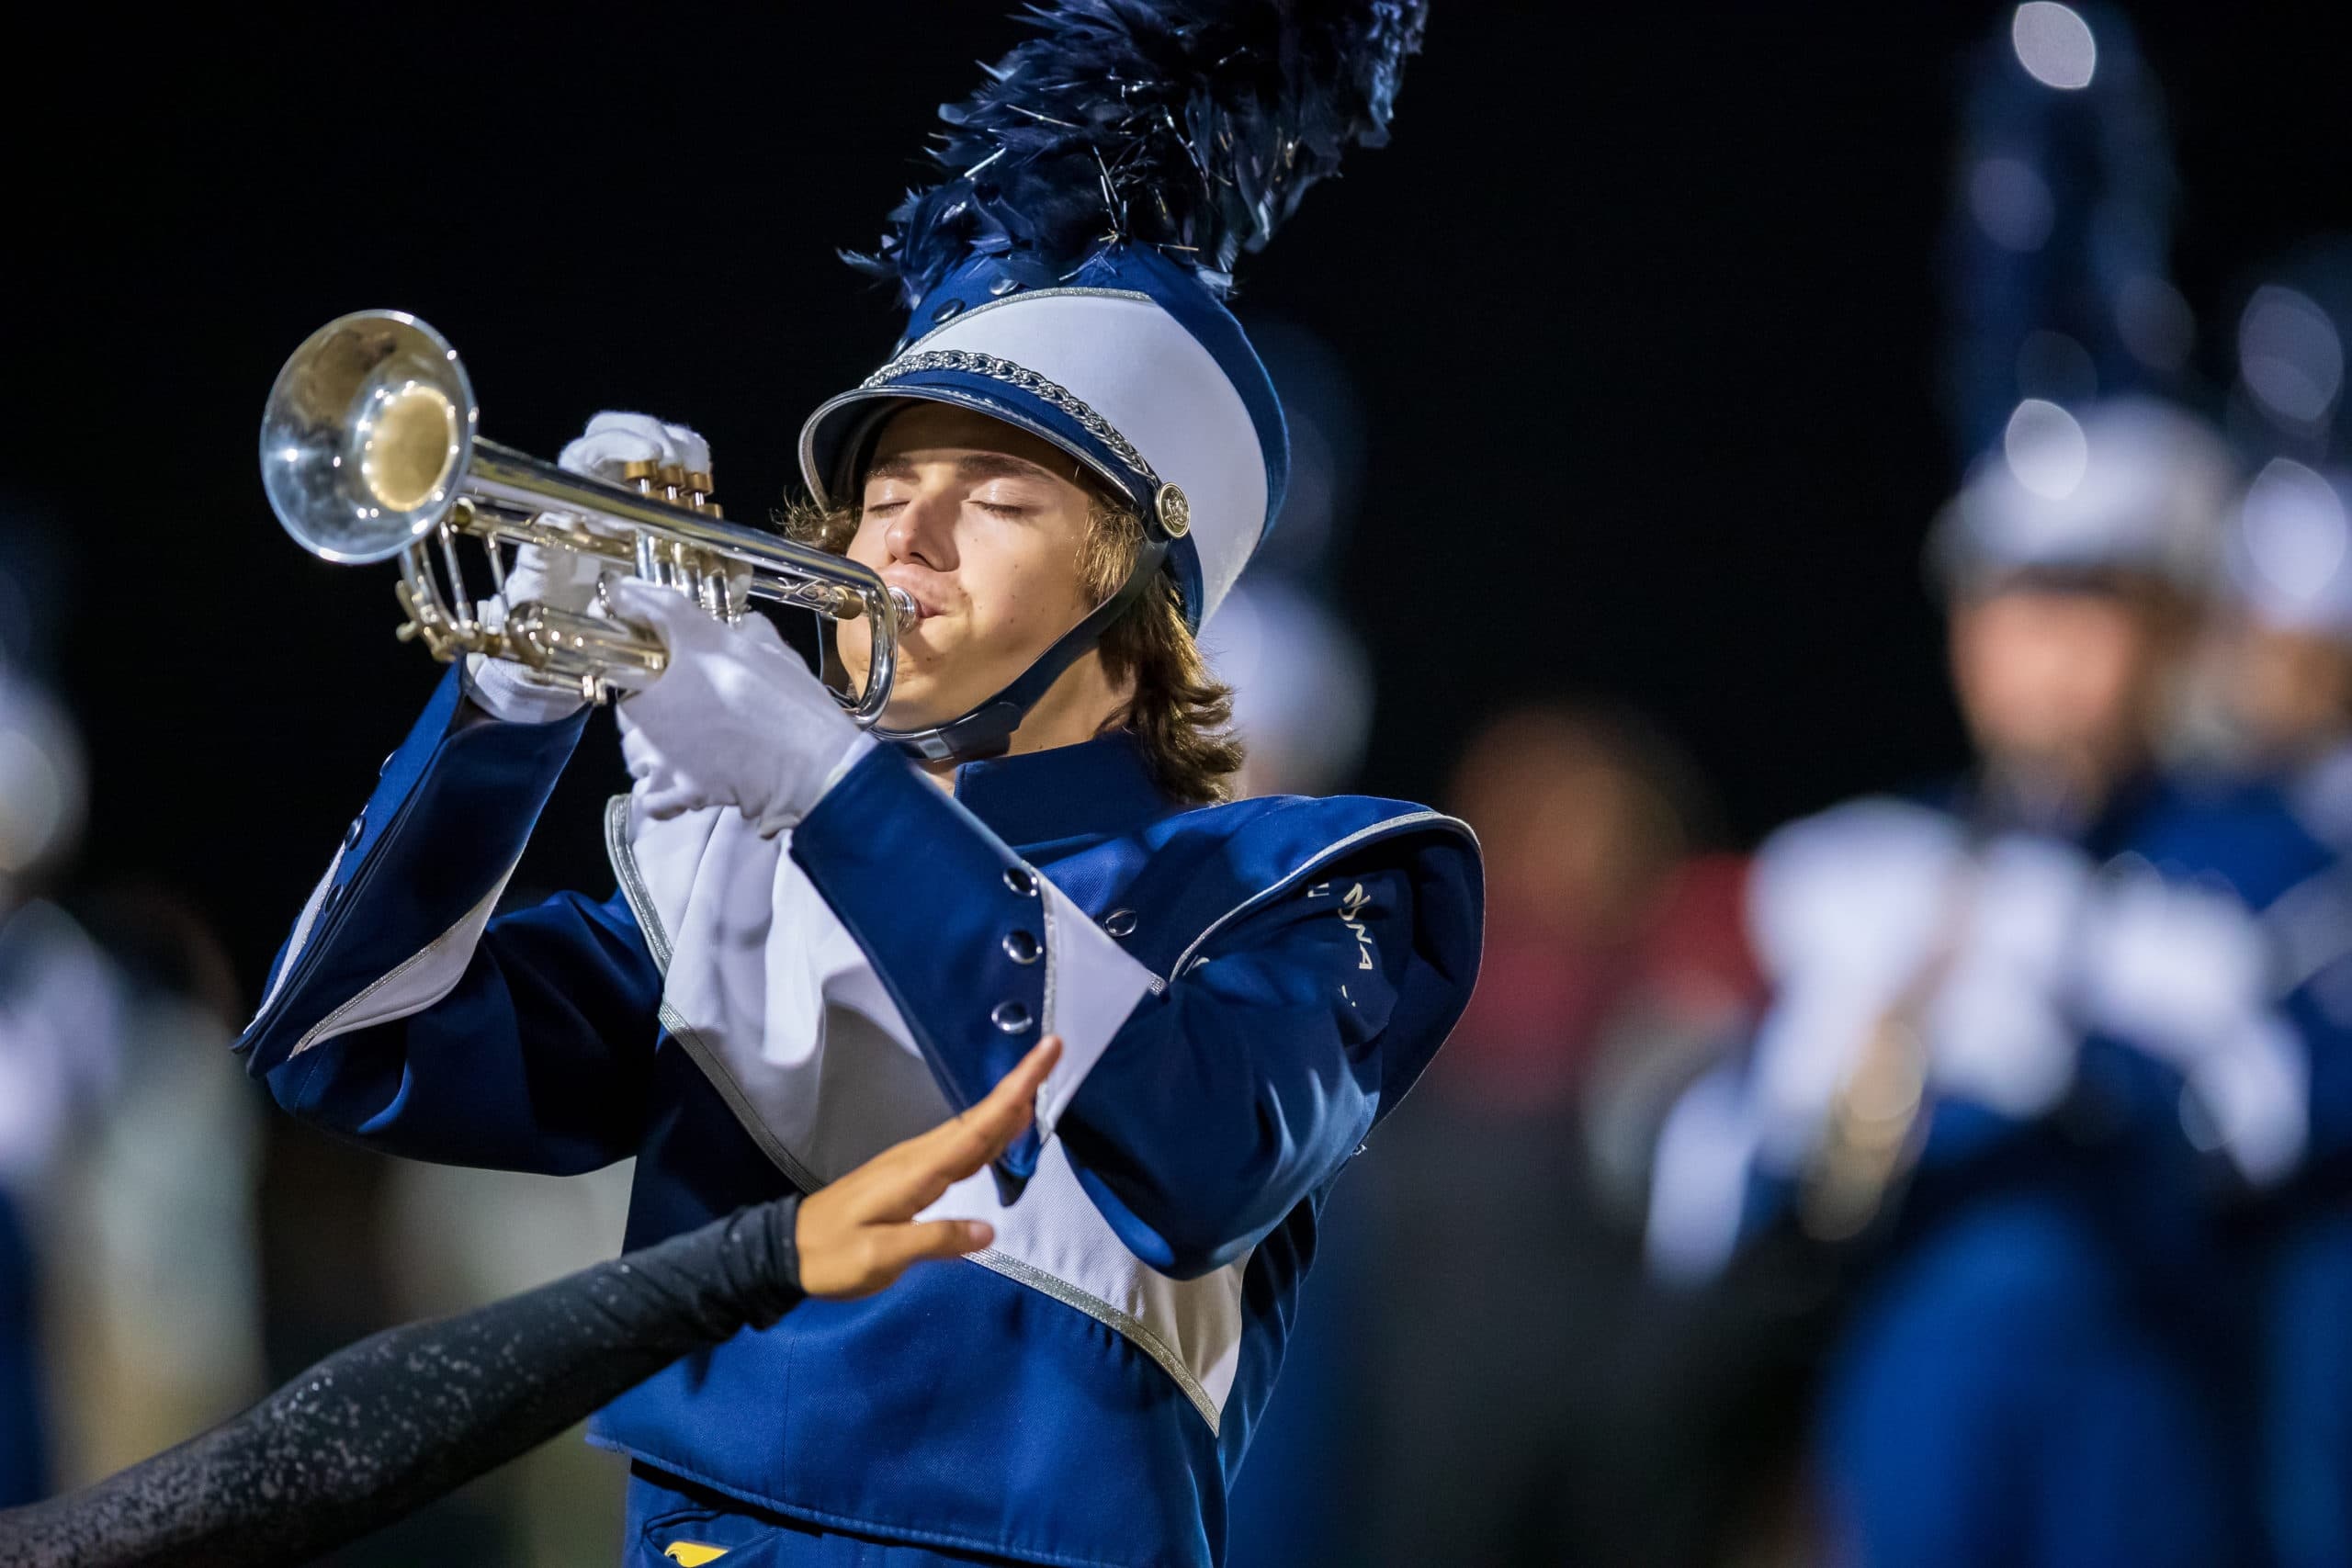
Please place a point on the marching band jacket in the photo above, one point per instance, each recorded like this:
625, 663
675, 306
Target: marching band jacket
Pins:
2151, 972
1243, 991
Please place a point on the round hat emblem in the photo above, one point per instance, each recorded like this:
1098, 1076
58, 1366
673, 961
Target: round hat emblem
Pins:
1175, 512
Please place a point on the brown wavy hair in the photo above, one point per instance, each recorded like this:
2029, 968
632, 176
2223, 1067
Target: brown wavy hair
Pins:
1180, 714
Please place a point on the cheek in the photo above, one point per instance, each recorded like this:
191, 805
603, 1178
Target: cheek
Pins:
2112, 672
1015, 585
866, 546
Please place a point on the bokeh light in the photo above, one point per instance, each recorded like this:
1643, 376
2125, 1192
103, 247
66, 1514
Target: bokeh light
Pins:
2045, 448
2295, 529
2054, 44
2290, 355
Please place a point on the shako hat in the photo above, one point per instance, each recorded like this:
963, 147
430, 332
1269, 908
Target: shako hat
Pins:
2133, 486
1069, 273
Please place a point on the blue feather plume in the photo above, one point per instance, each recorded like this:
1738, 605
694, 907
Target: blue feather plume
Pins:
2056, 253
1193, 126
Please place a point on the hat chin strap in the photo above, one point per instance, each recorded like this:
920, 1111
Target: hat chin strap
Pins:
986, 730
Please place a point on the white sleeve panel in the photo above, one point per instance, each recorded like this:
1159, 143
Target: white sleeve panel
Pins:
1091, 985
418, 981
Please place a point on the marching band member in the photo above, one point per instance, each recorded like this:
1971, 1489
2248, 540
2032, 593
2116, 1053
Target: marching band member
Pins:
825, 939
2023, 1029
2289, 687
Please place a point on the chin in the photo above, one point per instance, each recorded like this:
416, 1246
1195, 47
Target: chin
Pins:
916, 704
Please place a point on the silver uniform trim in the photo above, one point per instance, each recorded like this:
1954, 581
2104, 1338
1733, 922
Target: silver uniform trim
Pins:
1134, 1331
338, 1021
633, 888
1013, 375
301, 938
952, 395
1322, 857
1045, 1011
729, 1091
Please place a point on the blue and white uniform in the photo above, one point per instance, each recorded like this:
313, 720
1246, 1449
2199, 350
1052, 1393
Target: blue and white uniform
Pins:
2033, 1370
2289, 574
771, 998
1245, 989
2115, 1048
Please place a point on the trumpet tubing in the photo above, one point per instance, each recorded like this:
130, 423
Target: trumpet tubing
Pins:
370, 451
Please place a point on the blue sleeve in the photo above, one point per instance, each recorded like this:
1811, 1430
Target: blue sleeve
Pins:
528, 1039
2312, 926
1250, 1080
540, 1059
1226, 1097
2250, 841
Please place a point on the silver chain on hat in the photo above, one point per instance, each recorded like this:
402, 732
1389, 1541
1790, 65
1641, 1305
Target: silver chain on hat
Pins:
1029, 381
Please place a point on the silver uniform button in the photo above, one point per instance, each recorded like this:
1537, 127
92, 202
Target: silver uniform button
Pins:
1120, 922
1022, 947
1021, 880
1011, 1017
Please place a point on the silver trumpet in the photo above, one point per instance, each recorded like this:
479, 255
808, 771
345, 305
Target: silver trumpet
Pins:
368, 451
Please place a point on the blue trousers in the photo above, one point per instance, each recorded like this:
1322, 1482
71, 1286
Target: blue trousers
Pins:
2002, 1395
24, 1470
2306, 1383
666, 1512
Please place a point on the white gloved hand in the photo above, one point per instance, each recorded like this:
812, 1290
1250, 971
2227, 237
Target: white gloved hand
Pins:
613, 440
736, 719
563, 579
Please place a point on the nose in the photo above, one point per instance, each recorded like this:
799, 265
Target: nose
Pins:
924, 531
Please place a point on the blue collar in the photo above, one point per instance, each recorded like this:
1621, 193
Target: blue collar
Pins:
1098, 788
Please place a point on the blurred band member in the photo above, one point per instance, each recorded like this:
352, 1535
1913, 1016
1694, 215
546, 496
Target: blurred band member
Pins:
60, 1014
2287, 641
2023, 1027
2289, 682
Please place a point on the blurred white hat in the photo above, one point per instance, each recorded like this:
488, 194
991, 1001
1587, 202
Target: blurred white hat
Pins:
2130, 484
2290, 553
41, 782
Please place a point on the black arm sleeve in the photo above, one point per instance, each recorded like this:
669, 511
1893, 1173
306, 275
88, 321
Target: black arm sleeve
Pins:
389, 1424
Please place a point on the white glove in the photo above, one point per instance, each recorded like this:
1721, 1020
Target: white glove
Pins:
563, 579
612, 440
736, 719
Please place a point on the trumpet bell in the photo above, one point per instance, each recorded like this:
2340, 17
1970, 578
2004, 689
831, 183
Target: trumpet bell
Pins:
368, 431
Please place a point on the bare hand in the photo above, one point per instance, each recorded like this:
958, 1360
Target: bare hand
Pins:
856, 1235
